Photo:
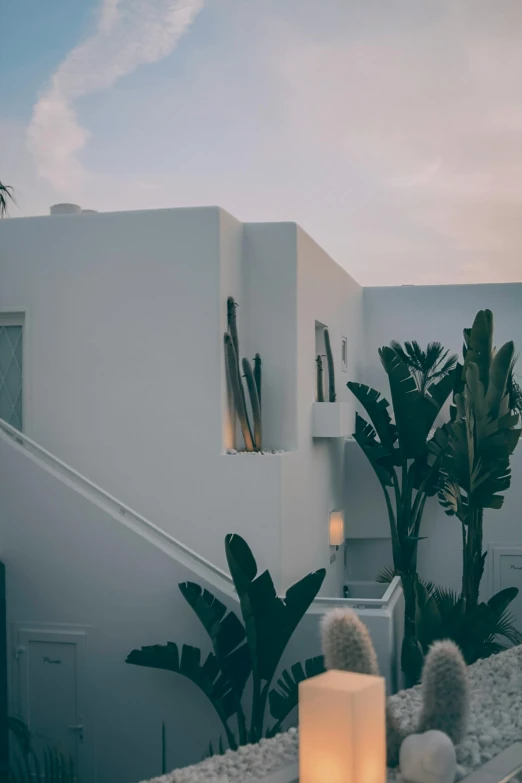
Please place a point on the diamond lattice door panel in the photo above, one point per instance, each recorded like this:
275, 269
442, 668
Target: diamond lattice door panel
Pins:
11, 375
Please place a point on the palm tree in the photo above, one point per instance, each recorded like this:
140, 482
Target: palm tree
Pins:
426, 366
6, 195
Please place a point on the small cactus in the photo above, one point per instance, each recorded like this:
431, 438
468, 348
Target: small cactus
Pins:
445, 692
320, 381
347, 645
330, 363
251, 436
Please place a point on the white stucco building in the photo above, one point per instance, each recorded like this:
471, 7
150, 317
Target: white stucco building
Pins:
116, 324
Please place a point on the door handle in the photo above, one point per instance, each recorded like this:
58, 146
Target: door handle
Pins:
79, 729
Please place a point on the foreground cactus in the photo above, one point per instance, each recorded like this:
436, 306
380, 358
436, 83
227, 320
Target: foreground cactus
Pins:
252, 436
347, 646
445, 696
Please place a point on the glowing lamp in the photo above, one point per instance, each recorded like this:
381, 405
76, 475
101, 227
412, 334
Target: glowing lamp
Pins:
336, 528
342, 732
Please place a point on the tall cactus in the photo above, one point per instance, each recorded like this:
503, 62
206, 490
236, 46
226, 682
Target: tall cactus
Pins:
254, 402
320, 381
251, 436
330, 363
257, 376
445, 692
347, 646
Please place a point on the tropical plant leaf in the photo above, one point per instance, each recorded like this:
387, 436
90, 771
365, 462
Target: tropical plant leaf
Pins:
269, 620
386, 575
283, 698
409, 406
380, 458
377, 409
427, 366
226, 633
207, 676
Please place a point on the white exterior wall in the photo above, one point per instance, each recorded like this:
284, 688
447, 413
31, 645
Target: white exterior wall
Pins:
125, 377
313, 480
73, 560
426, 313
125, 374
69, 562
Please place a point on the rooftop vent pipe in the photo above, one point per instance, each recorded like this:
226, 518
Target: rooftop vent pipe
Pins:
65, 209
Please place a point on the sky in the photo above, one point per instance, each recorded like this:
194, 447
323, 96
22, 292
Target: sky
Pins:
390, 130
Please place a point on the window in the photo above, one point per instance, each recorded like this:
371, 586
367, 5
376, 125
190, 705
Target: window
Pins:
11, 328
344, 354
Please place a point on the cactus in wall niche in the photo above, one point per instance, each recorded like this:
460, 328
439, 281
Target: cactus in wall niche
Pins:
320, 381
445, 693
330, 363
257, 377
347, 646
252, 435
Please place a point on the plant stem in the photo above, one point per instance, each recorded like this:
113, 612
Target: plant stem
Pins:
241, 725
473, 564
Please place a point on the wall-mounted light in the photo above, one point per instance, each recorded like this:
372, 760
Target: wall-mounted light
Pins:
342, 734
336, 528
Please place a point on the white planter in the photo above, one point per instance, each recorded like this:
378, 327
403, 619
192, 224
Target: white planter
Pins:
332, 419
380, 607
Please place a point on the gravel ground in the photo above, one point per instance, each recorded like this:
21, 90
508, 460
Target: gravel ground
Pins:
495, 723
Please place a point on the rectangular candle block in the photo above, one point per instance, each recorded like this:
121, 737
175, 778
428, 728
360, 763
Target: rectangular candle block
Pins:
342, 731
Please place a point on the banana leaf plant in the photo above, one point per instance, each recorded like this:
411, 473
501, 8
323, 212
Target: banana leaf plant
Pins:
474, 448
420, 383
242, 650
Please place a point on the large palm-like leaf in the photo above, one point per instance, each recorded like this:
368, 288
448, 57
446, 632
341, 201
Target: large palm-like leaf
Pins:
379, 456
284, 697
415, 413
226, 633
239, 650
376, 407
477, 445
269, 620
207, 676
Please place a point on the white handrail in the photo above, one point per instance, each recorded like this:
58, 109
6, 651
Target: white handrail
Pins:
204, 568
95, 492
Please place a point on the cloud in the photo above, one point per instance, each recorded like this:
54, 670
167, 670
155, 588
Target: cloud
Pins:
129, 33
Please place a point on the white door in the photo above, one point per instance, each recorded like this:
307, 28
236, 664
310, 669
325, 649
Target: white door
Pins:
51, 689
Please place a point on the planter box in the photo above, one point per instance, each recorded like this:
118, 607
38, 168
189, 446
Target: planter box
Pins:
332, 419
380, 607
499, 770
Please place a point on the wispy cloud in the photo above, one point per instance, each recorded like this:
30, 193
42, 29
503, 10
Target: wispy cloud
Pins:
129, 33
